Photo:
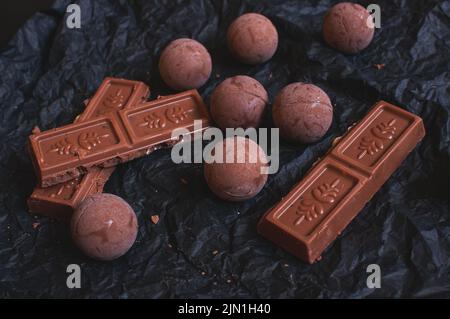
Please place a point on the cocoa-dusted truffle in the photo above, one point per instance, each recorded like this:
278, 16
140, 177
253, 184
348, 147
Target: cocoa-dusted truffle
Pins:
252, 38
238, 101
345, 27
244, 177
104, 226
185, 64
303, 112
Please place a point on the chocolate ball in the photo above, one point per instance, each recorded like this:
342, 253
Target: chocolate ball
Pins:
238, 101
303, 112
252, 38
244, 177
345, 27
185, 64
104, 226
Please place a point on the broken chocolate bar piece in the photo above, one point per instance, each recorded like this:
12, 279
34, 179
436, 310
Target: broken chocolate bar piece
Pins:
333, 192
58, 201
69, 151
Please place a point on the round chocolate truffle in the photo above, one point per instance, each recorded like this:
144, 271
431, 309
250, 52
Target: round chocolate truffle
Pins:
104, 226
252, 38
347, 27
238, 101
303, 112
241, 178
185, 64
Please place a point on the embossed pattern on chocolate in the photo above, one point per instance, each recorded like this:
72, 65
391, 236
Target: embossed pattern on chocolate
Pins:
333, 192
115, 138
313, 207
58, 201
372, 144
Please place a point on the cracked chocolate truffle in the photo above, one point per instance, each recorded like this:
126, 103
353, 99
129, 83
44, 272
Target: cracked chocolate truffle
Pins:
303, 112
185, 64
347, 27
252, 38
104, 226
244, 176
238, 101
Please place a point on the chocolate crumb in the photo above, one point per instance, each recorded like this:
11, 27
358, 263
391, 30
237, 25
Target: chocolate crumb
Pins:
36, 130
155, 219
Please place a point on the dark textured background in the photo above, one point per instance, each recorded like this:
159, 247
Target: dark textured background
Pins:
14, 13
202, 246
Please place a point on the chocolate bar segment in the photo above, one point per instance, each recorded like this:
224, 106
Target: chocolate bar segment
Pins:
58, 201
113, 95
67, 152
333, 192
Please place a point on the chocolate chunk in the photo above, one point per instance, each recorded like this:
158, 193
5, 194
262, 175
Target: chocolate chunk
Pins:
69, 151
58, 201
335, 190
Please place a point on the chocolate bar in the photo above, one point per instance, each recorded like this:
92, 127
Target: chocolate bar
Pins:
332, 193
69, 151
58, 201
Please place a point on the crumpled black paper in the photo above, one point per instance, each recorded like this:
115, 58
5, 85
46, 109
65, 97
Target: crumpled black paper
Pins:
203, 246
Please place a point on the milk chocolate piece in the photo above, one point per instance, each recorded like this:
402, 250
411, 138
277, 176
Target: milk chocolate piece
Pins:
185, 64
303, 112
252, 38
348, 27
67, 152
239, 101
58, 201
332, 193
244, 176
104, 226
